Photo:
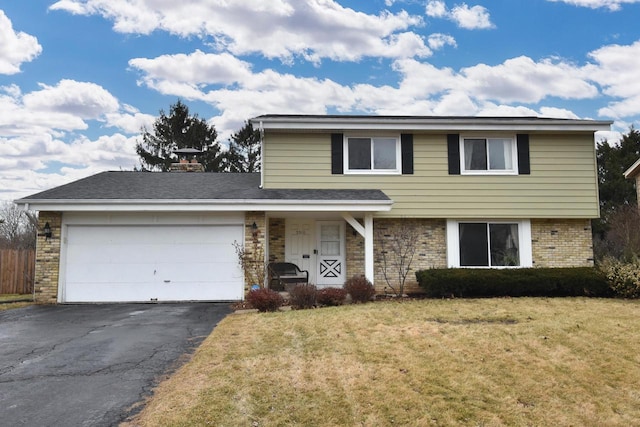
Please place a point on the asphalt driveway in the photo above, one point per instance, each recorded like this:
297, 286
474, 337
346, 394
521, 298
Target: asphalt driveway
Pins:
92, 365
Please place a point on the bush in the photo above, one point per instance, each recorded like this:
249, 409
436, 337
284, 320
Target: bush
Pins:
331, 296
265, 300
623, 277
360, 289
303, 295
518, 282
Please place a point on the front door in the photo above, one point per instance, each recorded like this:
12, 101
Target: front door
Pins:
331, 266
300, 245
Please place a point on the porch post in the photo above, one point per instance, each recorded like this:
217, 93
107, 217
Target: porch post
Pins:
367, 233
368, 247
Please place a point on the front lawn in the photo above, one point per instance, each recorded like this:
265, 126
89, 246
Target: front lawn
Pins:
490, 362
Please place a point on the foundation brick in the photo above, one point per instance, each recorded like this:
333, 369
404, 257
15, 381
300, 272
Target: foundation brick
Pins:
561, 243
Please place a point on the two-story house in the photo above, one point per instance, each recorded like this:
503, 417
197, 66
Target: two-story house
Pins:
488, 192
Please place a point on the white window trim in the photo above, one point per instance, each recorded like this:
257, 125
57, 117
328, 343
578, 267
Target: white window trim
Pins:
396, 171
524, 237
514, 156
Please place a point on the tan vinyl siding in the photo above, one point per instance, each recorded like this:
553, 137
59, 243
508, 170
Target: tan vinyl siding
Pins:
562, 183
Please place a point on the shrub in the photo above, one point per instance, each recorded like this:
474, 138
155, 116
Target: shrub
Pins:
331, 296
360, 289
518, 282
623, 277
265, 300
303, 295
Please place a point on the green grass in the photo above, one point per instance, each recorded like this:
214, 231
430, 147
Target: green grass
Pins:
489, 362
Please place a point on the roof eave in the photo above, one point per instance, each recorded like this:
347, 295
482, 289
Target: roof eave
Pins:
173, 205
428, 123
633, 170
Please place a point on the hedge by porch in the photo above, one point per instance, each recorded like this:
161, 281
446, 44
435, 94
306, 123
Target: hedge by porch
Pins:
519, 282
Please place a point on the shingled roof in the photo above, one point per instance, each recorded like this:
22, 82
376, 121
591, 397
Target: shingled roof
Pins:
129, 186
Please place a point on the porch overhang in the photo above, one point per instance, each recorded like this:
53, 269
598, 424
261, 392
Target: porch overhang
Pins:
172, 205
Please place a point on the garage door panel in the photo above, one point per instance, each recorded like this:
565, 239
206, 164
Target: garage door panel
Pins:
135, 292
141, 263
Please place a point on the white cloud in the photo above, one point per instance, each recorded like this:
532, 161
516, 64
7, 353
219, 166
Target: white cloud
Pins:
81, 99
24, 161
15, 47
196, 68
39, 132
612, 5
437, 41
615, 69
130, 123
523, 80
558, 113
423, 89
436, 9
309, 29
489, 109
469, 18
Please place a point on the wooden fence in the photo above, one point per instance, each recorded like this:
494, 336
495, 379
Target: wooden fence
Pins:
17, 269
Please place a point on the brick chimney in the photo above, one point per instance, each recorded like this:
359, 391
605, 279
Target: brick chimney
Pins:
187, 162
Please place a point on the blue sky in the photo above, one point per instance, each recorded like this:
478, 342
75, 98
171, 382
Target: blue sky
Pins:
80, 78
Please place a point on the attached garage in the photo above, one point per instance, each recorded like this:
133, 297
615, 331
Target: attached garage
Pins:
129, 262
156, 236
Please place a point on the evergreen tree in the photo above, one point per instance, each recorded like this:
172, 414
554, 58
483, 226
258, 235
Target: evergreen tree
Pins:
244, 150
179, 130
613, 161
615, 190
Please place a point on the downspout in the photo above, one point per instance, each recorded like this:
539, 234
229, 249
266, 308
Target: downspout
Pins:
261, 130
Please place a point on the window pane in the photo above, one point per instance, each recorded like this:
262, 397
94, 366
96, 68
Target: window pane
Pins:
359, 153
330, 240
475, 154
473, 245
330, 232
504, 244
500, 154
330, 248
384, 153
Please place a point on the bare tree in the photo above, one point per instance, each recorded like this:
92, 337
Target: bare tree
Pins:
622, 240
251, 258
398, 245
18, 227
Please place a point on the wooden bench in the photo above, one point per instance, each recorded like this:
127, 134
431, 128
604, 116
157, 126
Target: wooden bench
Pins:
282, 274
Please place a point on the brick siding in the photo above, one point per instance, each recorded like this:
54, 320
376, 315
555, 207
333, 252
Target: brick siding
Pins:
276, 239
48, 259
254, 242
561, 243
430, 251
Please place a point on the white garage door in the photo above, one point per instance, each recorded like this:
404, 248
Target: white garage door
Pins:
152, 263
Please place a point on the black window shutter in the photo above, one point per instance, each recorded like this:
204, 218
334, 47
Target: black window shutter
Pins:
337, 154
406, 151
524, 165
453, 149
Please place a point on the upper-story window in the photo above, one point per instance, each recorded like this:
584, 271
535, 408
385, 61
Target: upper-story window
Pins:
372, 155
488, 155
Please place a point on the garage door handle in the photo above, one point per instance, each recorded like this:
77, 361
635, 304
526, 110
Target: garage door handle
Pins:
167, 281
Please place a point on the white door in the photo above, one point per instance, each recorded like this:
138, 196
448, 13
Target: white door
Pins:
300, 245
152, 263
331, 253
